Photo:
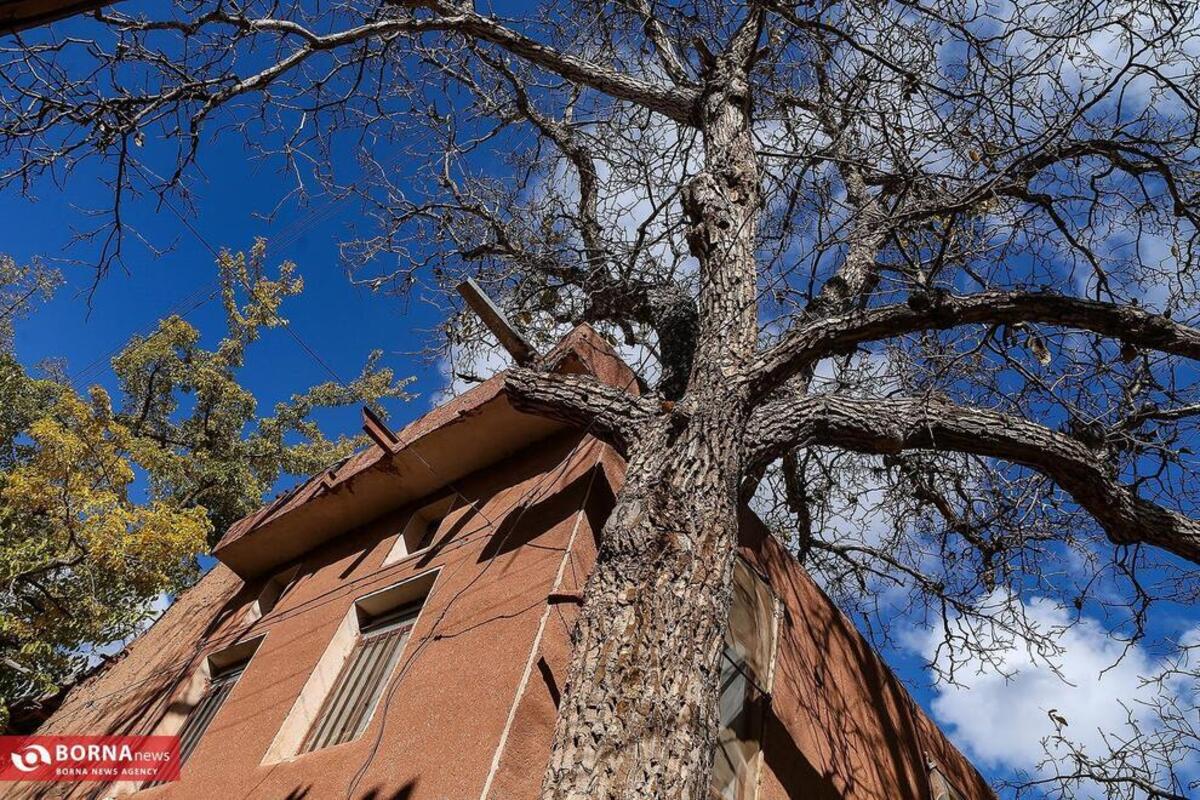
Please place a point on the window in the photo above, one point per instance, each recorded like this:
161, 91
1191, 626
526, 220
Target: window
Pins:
346, 684
420, 530
272, 592
197, 722
210, 687
348, 680
746, 663
362, 680
940, 784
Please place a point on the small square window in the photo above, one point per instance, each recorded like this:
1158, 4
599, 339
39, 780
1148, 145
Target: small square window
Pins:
420, 530
272, 592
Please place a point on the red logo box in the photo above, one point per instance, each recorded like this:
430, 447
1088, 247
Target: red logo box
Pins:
89, 758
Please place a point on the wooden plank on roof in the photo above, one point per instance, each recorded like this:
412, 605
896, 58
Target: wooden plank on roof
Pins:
491, 315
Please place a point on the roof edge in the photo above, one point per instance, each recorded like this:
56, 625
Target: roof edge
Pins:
437, 448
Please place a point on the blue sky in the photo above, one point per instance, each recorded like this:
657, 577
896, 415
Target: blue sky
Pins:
343, 324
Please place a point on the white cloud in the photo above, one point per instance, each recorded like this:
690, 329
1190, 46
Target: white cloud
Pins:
1000, 717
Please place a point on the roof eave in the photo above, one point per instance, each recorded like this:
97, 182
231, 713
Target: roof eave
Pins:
470, 432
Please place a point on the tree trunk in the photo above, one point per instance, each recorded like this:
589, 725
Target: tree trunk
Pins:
638, 717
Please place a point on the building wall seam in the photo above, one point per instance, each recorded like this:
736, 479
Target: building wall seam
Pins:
534, 648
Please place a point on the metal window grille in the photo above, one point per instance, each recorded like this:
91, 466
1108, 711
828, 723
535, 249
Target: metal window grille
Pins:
219, 687
348, 707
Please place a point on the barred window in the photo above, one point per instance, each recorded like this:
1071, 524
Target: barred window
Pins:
353, 697
201, 716
198, 721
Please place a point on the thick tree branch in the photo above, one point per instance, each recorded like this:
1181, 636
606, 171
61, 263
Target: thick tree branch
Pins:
821, 338
606, 412
676, 103
895, 425
672, 61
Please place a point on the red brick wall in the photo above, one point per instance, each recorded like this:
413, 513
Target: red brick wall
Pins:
487, 659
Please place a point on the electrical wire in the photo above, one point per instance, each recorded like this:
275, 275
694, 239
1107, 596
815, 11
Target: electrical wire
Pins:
210, 289
432, 635
332, 596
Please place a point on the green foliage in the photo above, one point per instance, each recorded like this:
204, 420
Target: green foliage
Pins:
105, 502
20, 286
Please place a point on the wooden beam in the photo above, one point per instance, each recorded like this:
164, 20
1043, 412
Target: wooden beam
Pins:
504, 331
378, 430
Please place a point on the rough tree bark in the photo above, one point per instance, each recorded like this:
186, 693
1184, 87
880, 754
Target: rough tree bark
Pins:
638, 715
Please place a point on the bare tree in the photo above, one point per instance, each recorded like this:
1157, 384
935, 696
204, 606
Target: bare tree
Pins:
931, 262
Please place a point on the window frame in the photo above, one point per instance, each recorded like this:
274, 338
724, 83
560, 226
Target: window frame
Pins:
940, 786
273, 590
421, 528
220, 668
757, 688
335, 723
365, 611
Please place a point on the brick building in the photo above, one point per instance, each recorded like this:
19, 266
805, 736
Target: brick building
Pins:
397, 628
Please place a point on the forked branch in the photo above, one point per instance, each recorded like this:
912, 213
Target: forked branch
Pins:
895, 425
674, 102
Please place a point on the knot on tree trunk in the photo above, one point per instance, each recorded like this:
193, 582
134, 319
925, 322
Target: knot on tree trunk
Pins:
701, 200
677, 323
717, 204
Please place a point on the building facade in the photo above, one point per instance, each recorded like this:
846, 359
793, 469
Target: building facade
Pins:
398, 628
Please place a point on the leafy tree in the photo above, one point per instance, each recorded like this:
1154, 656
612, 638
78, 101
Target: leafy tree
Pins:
105, 505
918, 276
20, 287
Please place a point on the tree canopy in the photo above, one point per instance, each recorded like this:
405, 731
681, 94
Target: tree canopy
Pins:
935, 261
106, 501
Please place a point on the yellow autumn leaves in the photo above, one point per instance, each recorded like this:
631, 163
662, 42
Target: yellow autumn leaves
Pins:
78, 483
106, 500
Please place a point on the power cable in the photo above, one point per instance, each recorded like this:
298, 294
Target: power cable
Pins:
209, 290
524, 503
431, 636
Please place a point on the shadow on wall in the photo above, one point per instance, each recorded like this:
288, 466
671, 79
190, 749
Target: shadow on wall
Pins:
403, 793
376, 793
526, 522
857, 737
139, 708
